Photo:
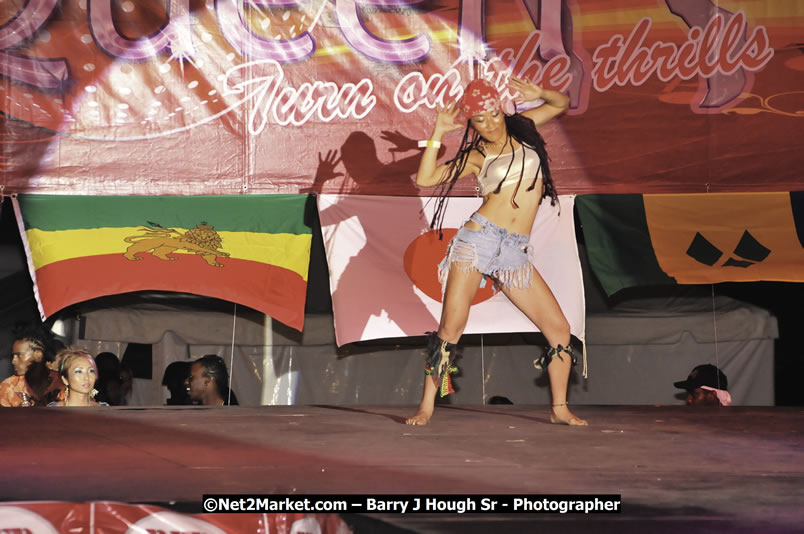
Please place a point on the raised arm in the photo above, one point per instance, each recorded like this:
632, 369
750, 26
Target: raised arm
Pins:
554, 102
430, 173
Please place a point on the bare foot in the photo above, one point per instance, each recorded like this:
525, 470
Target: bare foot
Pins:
561, 415
422, 417
427, 405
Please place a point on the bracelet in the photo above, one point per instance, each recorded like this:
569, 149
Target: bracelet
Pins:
429, 143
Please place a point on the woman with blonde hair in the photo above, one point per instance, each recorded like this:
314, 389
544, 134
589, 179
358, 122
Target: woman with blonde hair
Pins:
78, 373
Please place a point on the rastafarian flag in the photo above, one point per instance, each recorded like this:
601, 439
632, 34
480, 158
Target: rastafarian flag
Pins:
253, 250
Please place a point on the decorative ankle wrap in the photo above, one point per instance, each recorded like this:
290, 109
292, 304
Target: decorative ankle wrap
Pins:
543, 361
441, 356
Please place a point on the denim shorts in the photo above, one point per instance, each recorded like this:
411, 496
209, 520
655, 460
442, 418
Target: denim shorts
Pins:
493, 251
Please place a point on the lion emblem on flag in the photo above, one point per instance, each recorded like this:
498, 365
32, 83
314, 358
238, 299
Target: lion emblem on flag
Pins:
160, 241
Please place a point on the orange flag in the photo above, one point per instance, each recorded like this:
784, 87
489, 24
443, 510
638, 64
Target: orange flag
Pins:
730, 237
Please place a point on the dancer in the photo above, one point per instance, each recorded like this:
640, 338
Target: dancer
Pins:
508, 156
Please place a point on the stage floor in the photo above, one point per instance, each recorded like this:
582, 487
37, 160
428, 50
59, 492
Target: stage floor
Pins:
736, 469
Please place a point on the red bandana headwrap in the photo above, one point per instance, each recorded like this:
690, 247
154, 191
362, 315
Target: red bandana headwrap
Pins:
478, 97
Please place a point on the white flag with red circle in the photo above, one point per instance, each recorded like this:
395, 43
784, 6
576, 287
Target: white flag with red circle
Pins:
383, 266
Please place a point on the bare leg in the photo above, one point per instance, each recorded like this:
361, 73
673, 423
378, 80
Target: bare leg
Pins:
462, 285
427, 404
540, 306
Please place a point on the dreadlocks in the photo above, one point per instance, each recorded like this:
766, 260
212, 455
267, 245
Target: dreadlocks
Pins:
520, 128
37, 376
215, 367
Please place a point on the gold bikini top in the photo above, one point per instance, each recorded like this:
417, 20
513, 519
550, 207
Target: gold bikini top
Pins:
508, 168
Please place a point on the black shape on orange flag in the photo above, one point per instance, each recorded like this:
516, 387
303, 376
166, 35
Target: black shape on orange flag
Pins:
751, 249
731, 262
703, 251
797, 203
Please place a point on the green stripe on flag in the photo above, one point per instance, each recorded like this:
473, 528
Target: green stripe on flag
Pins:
250, 249
618, 244
227, 213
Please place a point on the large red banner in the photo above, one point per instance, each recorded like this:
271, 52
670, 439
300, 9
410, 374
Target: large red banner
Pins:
289, 96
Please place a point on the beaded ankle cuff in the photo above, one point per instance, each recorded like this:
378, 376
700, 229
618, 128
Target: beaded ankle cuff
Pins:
441, 356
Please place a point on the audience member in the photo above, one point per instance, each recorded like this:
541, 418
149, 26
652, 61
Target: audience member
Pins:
706, 386
208, 383
78, 372
126, 384
33, 383
108, 383
175, 379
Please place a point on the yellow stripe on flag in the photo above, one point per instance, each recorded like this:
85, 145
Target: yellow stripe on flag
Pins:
288, 251
730, 237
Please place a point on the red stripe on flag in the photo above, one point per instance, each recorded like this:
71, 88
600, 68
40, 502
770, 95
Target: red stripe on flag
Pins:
277, 292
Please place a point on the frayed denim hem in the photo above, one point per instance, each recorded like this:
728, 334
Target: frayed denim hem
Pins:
465, 256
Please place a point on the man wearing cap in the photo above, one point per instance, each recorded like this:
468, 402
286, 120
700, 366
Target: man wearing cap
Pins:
706, 386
